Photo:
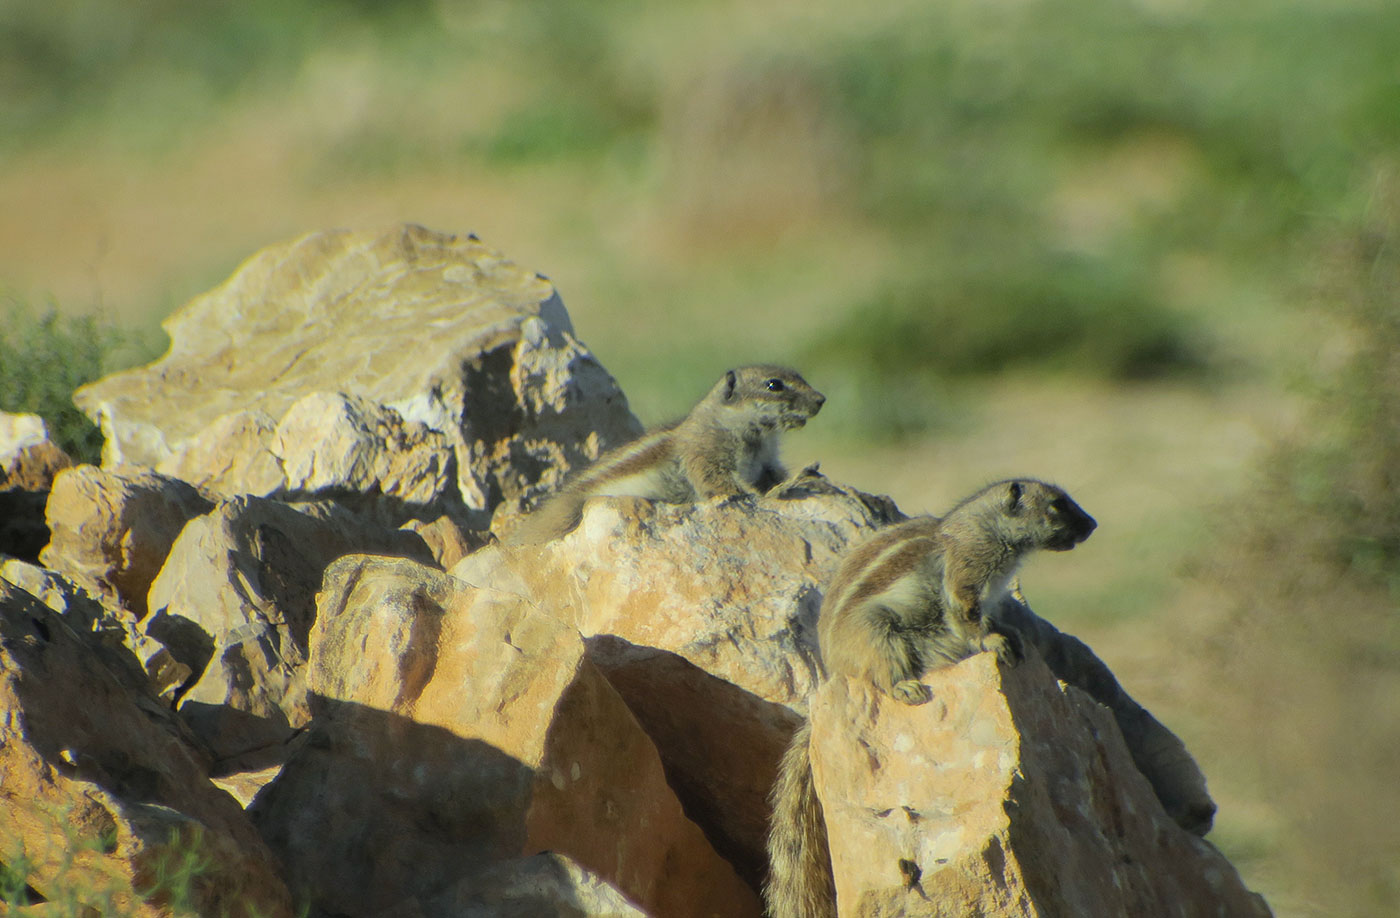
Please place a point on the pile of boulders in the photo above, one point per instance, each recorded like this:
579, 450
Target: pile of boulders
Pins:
268, 657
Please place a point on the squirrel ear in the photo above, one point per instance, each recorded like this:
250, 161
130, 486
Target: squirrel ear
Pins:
730, 381
1013, 495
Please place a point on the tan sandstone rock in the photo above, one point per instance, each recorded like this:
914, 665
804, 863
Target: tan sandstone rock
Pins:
329, 442
29, 460
543, 886
459, 726
146, 664
448, 541
440, 330
101, 797
1007, 794
111, 529
235, 602
704, 619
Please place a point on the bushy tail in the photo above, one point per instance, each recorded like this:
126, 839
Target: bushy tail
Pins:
799, 865
559, 514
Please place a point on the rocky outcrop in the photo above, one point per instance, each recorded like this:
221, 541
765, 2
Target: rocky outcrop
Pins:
1007, 794
29, 460
104, 793
478, 732
252, 588
422, 369
704, 619
235, 602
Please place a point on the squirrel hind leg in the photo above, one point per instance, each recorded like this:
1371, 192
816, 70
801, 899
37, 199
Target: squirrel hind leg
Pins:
895, 664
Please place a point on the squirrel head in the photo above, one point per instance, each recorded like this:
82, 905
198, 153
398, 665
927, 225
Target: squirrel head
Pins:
773, 397
1028, 514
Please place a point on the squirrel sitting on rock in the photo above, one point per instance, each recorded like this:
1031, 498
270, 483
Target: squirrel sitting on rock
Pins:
726, 448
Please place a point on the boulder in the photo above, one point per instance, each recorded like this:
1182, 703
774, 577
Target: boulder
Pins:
1007, 794
459, 727
734, 588
29, 460
544, 886
111, 530
448, 541
143, 663
103, 801
334, 444
465, 351
704, 619
235, 602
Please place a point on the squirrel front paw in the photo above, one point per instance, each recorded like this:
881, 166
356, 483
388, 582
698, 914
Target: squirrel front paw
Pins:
1006, 645
911, 691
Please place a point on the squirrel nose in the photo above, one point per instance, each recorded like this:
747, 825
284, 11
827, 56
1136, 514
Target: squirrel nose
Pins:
820, 399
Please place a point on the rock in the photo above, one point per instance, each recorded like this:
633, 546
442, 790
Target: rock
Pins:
101, 798
733, 588
448, 542
142, 663
232, 455
543, 886
464, 348
1159, 754
477, 732
29, 460
235, 602
329, 443
111, 530
704, 619
1007, 794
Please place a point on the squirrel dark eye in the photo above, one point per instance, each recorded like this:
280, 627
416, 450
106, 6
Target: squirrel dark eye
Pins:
775, 385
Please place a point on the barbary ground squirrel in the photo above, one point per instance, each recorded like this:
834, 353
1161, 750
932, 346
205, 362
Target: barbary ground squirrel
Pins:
914, 596
726, 447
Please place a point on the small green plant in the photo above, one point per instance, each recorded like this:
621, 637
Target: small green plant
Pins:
14, 881
171, 877
45, 356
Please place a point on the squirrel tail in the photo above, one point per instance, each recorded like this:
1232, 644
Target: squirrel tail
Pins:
799, 883
559, 514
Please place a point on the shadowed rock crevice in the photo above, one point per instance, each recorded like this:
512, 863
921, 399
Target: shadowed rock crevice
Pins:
103, 783
720, 744
487, 733
379, 830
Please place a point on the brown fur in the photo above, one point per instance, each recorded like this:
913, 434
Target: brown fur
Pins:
913, 596
727, 447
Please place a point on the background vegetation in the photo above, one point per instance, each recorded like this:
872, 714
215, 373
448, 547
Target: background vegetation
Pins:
1146, 249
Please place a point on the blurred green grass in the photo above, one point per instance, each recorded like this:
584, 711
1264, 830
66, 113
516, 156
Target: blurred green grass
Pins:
45, 355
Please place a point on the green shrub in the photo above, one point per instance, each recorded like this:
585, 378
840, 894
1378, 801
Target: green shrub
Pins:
45, 356
1055, 313
1339, 489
